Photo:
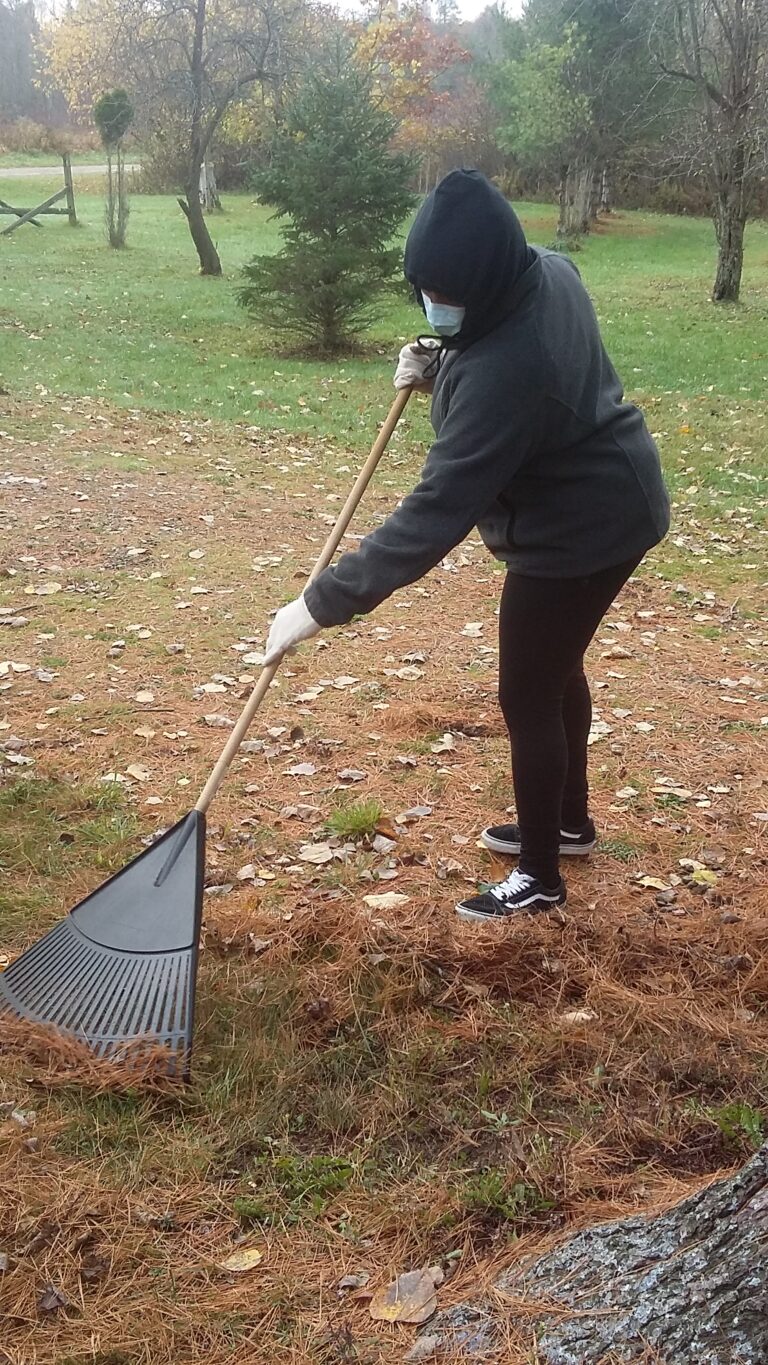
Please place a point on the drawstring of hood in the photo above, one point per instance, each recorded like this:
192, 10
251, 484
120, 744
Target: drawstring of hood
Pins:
467, 243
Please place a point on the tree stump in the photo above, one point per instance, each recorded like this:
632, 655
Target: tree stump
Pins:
689, 1287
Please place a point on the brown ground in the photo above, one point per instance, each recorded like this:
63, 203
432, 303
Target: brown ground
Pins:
601, 1062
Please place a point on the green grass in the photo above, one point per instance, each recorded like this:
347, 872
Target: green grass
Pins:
11, 160
51, 830
355, 821
143, 330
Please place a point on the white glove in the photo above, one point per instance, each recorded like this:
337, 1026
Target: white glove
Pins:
414, 359
291, 625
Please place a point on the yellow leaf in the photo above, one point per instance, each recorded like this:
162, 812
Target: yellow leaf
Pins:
703, 877
246, 1259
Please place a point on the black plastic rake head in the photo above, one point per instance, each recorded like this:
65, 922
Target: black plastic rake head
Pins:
119, 971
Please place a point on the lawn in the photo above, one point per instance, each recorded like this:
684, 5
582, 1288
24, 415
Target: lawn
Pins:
12, 160
376, 1086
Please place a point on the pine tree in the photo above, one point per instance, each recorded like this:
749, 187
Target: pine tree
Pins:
344, 194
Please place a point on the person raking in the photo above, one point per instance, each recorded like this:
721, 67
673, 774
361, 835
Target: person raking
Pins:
536, 447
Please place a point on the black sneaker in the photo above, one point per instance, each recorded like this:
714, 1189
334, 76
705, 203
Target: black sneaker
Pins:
573, 843
517, 893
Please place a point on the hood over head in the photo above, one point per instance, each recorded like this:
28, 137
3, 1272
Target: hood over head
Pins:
467, 243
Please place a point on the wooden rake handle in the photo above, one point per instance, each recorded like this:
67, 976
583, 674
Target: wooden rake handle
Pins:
329, 549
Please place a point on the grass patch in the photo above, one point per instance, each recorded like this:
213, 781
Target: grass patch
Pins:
295, 1188
50, 833
358, 820
140, 328
621, 850
494, 1194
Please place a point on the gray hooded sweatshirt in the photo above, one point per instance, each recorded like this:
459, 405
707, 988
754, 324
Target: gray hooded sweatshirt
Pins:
535, 444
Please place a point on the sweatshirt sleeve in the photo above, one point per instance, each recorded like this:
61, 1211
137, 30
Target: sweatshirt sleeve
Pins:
488, 432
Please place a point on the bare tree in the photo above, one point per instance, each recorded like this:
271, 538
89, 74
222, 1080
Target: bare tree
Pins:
186, 62
720, 48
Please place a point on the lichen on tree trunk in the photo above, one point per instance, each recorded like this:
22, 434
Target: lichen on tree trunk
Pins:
689, 1287
575, 199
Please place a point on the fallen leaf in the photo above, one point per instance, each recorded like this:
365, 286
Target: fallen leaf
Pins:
473, 630
218, 722
246, 1259
351, 775
197, 554
145, 697
137, 771
42, 589
578, 1017
388, 900
703, 877
345, 682
406, 817
316, 853
444, 745
358, 1281
599, 729
52, 1300
411, 1298
408, 674
302, 770
144, 732
651, 883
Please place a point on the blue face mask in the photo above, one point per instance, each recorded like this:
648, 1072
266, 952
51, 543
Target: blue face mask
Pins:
444, 318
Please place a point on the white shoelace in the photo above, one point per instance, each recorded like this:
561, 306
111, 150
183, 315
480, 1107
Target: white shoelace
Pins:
512, 885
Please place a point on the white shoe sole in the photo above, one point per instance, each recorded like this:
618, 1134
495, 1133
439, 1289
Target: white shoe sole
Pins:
513, 850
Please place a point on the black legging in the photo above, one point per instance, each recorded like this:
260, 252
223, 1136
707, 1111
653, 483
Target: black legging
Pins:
544, 629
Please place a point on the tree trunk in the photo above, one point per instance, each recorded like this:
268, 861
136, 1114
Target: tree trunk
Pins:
209, 193
575, 199
583, 199
730, 221
606, 198
198, 146
123, 210
689, 1287
208, 256
562, 201
110, 208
